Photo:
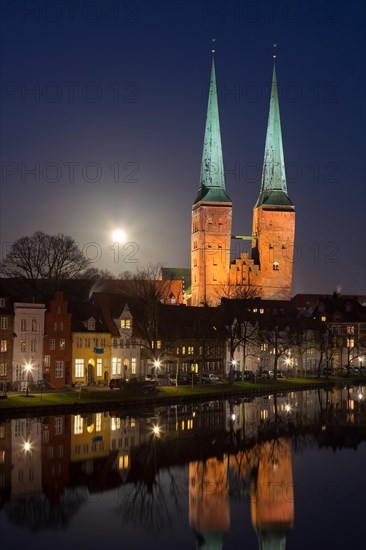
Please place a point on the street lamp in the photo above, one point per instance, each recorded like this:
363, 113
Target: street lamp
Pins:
157, 365
28, 369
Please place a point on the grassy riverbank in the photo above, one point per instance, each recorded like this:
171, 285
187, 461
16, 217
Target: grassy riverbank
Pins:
77, 399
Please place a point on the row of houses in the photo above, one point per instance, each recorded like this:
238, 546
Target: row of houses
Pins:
110, 335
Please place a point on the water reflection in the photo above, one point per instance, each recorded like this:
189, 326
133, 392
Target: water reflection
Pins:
157, 461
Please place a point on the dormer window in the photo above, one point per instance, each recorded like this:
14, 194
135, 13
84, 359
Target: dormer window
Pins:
91, 324
126, 323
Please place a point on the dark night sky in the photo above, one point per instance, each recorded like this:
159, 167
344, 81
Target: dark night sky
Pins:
125, 84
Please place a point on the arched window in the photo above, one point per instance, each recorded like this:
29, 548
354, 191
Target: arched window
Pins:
275, 266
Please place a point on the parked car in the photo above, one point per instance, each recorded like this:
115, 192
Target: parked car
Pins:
117, 383
192, 377
181, 380
249, 375
210, 378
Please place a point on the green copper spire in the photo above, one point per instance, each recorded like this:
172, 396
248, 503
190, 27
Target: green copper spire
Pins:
212, 180
274, 188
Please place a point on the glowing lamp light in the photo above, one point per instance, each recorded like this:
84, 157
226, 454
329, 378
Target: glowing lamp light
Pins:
233, 417
288, 361
288, 407
234, 362
156, 430
27, 446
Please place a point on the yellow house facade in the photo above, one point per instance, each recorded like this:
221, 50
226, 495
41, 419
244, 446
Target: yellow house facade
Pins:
91, 357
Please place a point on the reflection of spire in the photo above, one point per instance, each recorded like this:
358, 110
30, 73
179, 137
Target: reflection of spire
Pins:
272, 502
209, 514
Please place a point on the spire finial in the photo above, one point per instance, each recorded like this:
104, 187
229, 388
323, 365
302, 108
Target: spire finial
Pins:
274, 55
213, 50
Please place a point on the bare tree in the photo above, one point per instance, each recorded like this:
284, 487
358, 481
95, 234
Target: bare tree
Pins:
43, 259
150, 292
280, 336
241, 329
238, 292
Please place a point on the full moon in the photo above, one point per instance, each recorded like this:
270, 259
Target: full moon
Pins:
119, 236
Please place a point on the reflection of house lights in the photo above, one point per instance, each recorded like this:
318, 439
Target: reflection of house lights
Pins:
360, 396
233, 417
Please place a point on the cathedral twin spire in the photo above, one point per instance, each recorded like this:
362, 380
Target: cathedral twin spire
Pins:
212, 179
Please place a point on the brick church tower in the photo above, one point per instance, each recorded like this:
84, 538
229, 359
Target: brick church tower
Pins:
267, 272
274, 215
211, 215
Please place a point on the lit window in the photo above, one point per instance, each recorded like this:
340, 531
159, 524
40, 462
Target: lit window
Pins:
79, 368
261, 311
59, 425
62, 344
3, 369
323, 318
126, 323
275, 266
190, 350
4, 346
98, 422
133, 365
99, 366
78, 424
350, 343
123, 462
22, 345
91, 324
350, 329
47, 360
3, 323
59, 369
158, 344
115, 423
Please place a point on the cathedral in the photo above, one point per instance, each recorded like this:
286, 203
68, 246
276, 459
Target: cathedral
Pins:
267, 271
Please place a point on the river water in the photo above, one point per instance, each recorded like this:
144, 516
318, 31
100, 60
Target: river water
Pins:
279, 471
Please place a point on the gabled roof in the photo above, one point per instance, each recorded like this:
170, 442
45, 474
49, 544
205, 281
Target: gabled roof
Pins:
112, 306
83, 311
